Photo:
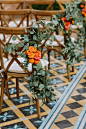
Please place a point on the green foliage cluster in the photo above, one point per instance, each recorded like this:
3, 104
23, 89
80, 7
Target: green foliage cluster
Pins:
39, 84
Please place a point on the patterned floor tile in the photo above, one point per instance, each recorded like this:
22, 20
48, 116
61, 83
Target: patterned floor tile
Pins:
30, 110
69, 114
7, 116
74, 105
63, 124
78, 97
37, 122
19, 125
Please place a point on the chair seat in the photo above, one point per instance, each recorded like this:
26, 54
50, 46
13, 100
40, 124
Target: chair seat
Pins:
75, 26
16, 67
60, 39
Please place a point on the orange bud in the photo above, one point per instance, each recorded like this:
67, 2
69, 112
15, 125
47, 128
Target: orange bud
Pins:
82, 12
63, 19
31, 60
36, 61
82, 6
72, 22
85, 14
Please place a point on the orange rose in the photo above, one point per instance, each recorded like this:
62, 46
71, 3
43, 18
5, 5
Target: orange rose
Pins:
82, 6
36, 61
84, 9
85, 14
82, 12
72, 22
37, 55
31, 55
63, 19
67, 25
31, 60
32, 49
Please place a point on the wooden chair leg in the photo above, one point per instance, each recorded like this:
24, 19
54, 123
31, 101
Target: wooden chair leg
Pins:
6, 86
49, 59
17, 87
2, 94
54, 54
47, 100
38, 108
68, 72
73, 68
84, 50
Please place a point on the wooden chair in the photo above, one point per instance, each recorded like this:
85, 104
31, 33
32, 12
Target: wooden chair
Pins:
12, 67
16, 4
47, 3
58, 44
22, 15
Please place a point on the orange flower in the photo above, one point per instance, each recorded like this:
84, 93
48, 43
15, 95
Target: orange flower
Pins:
63, 19
31, 55
32, 49
37, 55
84, 9
31, 60
67, 25
36, 61
34, 55
82, 6
85, 14
72, 22
82, 12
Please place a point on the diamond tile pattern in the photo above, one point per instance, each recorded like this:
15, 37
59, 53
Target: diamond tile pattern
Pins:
69, 114
63, 124
72, 108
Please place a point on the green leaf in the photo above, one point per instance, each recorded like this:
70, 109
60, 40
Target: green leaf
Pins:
34, 37
26, 38
48, 93
52, 37
25, 30
20, 44
5, 49
41, 86
35, 45
36, 83
14, 38
39, 64
26, 47
15, 47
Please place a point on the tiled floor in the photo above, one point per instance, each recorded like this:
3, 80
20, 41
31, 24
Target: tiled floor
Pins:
18, 114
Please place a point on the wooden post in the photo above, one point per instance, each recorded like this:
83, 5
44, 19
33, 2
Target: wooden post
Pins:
2, 94
73, 68
17, 87
49, 58
6, 86
38, 108
47, 100
84, 50
68, 72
